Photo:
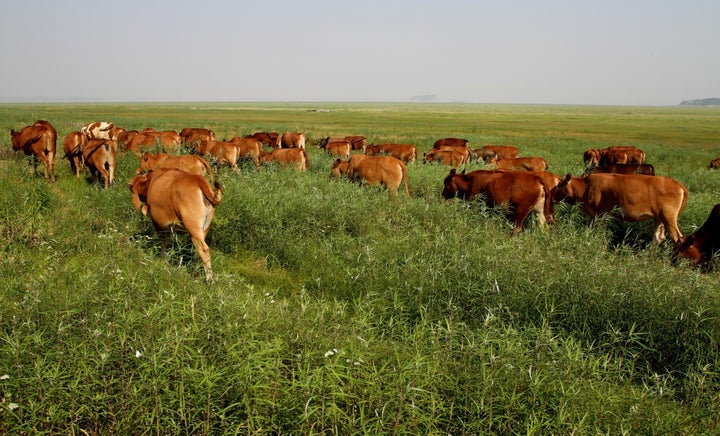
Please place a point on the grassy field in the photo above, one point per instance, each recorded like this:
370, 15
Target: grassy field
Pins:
338, 309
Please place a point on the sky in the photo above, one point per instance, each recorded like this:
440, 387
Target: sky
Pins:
611, 52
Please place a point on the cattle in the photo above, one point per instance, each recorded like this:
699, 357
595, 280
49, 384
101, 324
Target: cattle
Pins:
292, 140
148, 139
295, 157
499, 151
621, 155
271, 139
453, 156
125, 136
99, 130
644, 168
519, 163
704, 244
73, 146
38, 141
100, 156
248, 148
405, 152
374, 170
629, 197
189, 163
172, 197
520, 192
192, 136
715, 163
591, 157
223, 152
450, 142
338, 147
357, 142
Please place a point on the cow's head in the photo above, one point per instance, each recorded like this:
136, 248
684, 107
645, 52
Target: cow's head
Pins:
715, 163
451, 188
686, 248
564, 190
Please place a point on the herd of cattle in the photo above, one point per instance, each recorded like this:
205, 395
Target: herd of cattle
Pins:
174, 188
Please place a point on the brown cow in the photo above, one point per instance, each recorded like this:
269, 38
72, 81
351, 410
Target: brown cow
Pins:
638, 197
452, 156
374, 170
271, 139
499, 151
704, 244
292, 140
338, 147
147, 139
223, 152
644, 168
40, 142
522, 192
519, 163
248, 148
100, 156
297, 157
621, 155
192, 136
405, 152
73, 146
173, 197
189, 163
450, 142
357, 142
591, 157
715, 163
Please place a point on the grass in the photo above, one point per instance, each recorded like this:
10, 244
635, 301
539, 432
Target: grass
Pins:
338, 309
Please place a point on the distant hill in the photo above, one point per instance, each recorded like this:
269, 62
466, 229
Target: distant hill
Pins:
701, 102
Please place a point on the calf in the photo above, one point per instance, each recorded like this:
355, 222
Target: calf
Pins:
296, 157
374, 170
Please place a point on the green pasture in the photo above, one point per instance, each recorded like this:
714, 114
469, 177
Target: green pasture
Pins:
338, 309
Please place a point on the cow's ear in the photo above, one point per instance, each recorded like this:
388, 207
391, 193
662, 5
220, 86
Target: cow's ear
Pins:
568, 177
452, 172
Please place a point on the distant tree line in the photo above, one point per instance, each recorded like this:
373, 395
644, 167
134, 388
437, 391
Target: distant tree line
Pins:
701, 102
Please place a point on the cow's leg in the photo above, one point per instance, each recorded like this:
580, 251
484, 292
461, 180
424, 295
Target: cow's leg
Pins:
673, 229
204, 252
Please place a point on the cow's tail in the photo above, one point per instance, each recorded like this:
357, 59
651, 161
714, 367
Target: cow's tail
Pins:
307, 160
403, 168
209, 170
213, 197
548, 210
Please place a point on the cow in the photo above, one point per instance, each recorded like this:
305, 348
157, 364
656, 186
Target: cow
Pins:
296, 157
125, 136
621, 155
591, 157
271, 139
192, 136
174, 197
223, 152
519, 163
454, 156
147, 139
715, 163
248, 148
189, 163
338, 147
643, 168
704, 244
357, 142
100, 156
499, 151
99, 130
38, 141
292, 140
520, 191
450, 142
73, 146
405, 152
374, 170
629, 197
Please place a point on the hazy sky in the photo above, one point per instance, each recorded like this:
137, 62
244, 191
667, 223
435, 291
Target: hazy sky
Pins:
617, 52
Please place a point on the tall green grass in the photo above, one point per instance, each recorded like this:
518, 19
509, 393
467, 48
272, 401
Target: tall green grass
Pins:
339, 309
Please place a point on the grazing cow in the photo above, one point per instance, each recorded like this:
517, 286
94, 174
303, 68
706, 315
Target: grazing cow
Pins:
638, 198
405, 152
40, 142
192, 136
621, 155
223, 152
73, 146
338, 147
147, 139
450, 142
499, 151
715, 163
125, 136
271, 139
100, 157
452, 156
701, 246
591, 157
519, 163
644, 168
189, 163
297, 157
357, 142
248, 148
174, 197
522, 192
292, 140
99, 130
374, 170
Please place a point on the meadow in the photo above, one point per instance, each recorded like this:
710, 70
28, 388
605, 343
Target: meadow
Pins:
337, 309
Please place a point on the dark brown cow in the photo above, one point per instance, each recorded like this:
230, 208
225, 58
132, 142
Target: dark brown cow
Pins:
519, 163
374, 170
292, 140
638, 198
271, 139
189, 163
501, 151
248, 149
704, 244
645, 169
172, 198
296, 157
451, 156
100, 156
223, 152
522, 192
450, 142
73, 146
40, 142
405, 152
715, 163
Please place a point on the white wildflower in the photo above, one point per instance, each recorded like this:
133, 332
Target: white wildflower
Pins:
4, 377
13, 406
332, 352
138, 354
